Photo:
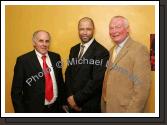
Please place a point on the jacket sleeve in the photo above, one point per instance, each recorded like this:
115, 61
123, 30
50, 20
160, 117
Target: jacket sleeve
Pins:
141, 79
60, 81
68, 76
17, 87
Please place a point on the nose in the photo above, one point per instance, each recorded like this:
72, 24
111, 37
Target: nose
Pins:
113, 30
84, 32
45, 43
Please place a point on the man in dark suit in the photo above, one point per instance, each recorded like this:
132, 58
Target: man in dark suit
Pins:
85, 72
38, 83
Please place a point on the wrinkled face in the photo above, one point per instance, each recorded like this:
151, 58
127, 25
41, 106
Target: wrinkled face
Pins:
41, 42
85, 30
117, 30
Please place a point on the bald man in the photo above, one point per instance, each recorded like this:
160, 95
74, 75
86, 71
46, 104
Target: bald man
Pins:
38, 83
85, 72
127, 78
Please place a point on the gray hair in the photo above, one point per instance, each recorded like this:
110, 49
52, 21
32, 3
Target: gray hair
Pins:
36, 32
126, 22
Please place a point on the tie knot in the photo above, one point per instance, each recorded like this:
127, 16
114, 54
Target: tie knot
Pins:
82, 46
116, 46
43, 57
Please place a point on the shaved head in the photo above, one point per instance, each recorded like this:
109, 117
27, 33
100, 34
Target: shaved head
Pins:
86, 19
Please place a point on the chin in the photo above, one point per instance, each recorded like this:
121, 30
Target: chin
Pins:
84, 41
43, 52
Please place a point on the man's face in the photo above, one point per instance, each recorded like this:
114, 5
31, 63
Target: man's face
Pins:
41, 42
86, 30
117, 30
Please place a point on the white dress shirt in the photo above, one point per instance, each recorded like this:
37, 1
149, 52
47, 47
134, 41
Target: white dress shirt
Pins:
118, 47
48, 62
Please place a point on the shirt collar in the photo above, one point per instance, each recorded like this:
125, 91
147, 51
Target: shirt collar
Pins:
39, 54
88, 43
121, 45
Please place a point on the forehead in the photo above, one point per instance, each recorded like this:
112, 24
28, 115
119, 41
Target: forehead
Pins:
42, 34
117, 21
85, 22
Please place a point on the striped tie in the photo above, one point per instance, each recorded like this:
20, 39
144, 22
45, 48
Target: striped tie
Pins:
81, 51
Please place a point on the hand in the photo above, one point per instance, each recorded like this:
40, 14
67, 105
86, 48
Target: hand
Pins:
76, 108
72, 103
66, 108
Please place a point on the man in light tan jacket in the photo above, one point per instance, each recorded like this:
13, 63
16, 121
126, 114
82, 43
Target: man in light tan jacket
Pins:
127, 79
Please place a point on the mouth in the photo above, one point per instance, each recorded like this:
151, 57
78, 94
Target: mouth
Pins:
44, 48
84, 37
114, 36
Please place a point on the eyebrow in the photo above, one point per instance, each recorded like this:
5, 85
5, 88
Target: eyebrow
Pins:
43, 40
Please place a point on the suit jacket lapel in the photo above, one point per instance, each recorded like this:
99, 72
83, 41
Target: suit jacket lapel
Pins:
121, 55
75, 56
37, 67
35, 61
87, 54
89, 51
53, 62
123, 51
76, 52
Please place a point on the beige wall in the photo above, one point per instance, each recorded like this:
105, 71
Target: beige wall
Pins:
61, 22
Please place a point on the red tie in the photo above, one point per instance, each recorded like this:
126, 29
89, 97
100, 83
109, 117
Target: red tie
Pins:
48, 81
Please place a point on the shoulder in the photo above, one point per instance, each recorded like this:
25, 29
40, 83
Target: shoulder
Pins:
98, 47
26, 55
136, 46
53, 54
75, 46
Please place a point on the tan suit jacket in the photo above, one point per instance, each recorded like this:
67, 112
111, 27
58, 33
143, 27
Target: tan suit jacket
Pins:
128, 81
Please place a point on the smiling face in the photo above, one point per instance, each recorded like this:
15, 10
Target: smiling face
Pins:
41, 42
118, 30
85, 30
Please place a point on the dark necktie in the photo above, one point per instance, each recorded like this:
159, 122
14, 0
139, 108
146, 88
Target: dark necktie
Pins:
48, 81
81, 51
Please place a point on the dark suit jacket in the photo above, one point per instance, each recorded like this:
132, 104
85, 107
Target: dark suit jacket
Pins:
84, 81
28, 98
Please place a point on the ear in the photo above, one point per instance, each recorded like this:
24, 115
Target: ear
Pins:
128, 29
94, 32
33, 43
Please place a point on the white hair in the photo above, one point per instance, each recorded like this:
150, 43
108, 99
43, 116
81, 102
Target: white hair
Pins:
36, 32
126, 22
